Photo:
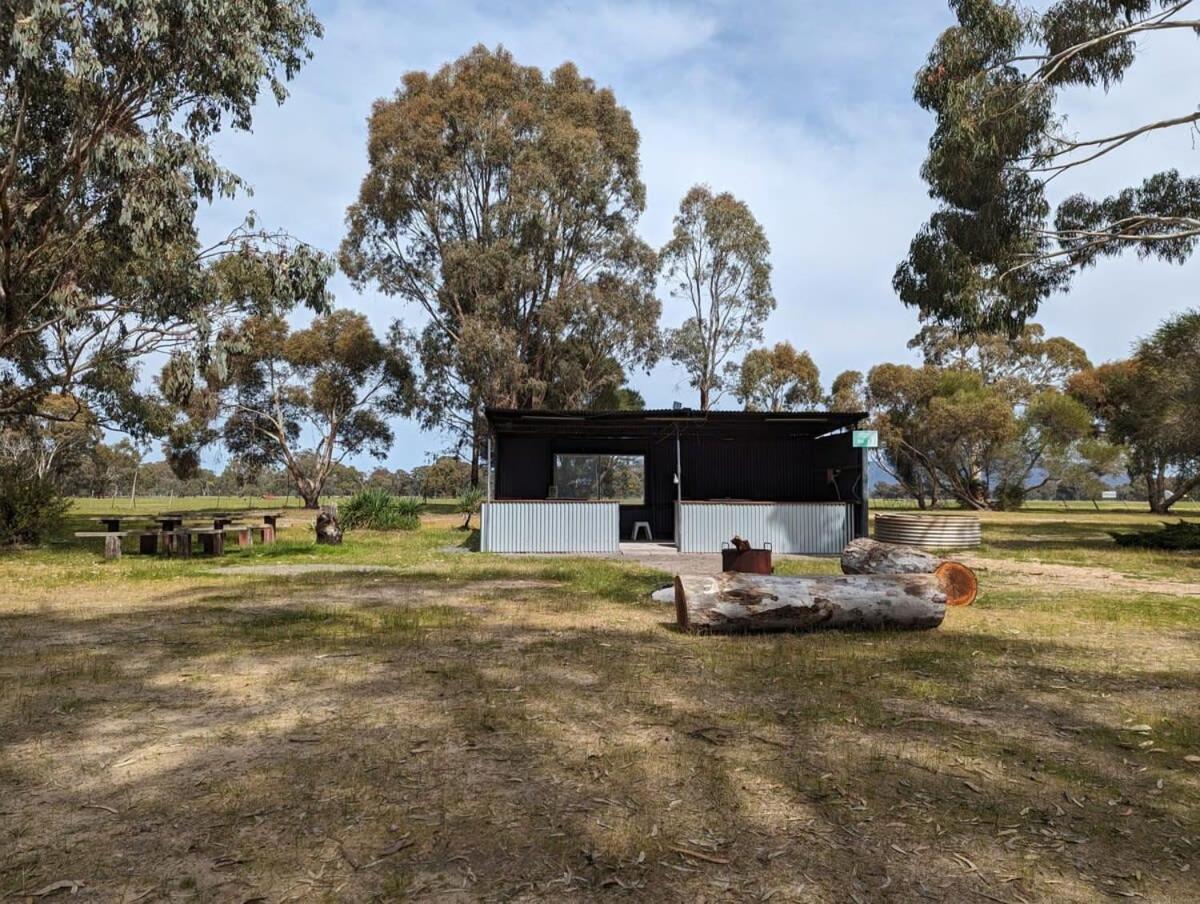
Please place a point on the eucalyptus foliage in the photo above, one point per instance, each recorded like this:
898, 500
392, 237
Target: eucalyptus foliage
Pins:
995, 250
778, 379
1150, 402
107, 111
303, 400
984, 422
503, 203
718, 263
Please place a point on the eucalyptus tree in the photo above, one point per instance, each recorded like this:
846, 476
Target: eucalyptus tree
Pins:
778, 379
1149, 403
994, 250
302, 400
847, 392
718, 262
503, 203
984, 423
107, 111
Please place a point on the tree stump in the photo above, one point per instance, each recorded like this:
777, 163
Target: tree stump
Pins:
328, 530
732, 602
867, 556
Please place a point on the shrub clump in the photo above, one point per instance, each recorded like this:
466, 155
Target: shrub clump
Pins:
380, 510
1184, 535
31, 508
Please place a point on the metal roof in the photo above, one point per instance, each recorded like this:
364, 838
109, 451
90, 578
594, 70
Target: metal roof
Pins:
808, 422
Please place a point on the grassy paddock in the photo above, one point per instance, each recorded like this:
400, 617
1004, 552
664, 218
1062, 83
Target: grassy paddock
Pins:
455, 726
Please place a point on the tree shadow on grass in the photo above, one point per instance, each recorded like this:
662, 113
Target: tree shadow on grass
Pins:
427, 737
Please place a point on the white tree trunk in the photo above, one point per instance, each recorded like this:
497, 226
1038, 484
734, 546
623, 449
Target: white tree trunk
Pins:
866, 556
755, 602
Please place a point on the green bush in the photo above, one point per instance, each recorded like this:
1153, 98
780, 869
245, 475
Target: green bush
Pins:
1010, 497
1182, 536
31, 508
380, 510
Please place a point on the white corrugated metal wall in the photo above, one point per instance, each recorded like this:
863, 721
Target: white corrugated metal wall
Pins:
551, 527
809, 528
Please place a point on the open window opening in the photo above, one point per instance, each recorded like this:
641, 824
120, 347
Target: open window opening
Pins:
600, 478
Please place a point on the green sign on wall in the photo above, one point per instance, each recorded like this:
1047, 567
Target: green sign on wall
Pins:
865, 439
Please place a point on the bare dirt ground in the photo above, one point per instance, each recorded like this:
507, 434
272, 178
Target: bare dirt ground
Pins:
292, 570
363, 736
1075, 577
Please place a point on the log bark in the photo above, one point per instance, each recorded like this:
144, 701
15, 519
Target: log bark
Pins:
732, 602
866, 556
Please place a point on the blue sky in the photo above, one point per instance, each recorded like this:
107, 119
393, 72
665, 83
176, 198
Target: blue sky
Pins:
802, 109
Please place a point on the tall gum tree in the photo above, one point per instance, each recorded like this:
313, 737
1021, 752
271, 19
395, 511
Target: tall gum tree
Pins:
984, 421
503, 203
718, 262
106, 114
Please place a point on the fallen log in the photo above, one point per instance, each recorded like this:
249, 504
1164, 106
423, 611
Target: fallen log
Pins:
867, 556
733, 601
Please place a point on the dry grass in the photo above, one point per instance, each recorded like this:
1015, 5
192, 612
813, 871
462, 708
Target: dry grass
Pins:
466, 727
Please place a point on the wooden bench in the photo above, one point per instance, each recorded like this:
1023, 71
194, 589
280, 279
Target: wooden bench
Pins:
245, 533
180, 541
270, 526
148, 541
212, 540
112, 540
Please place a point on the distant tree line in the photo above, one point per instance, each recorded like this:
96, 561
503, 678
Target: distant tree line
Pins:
120, 470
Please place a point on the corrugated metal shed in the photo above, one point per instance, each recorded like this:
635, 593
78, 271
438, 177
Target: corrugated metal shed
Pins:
812, 528
550, 527
733, 458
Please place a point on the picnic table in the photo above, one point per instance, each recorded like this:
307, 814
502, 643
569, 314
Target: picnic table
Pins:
174, 537
112, 523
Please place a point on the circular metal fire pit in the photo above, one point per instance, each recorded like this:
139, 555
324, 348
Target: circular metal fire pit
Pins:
930, 531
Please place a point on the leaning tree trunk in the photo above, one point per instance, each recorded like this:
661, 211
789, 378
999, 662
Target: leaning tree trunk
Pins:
866, 556
734, 601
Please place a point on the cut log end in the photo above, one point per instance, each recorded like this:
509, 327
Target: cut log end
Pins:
958, 582
867, 556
